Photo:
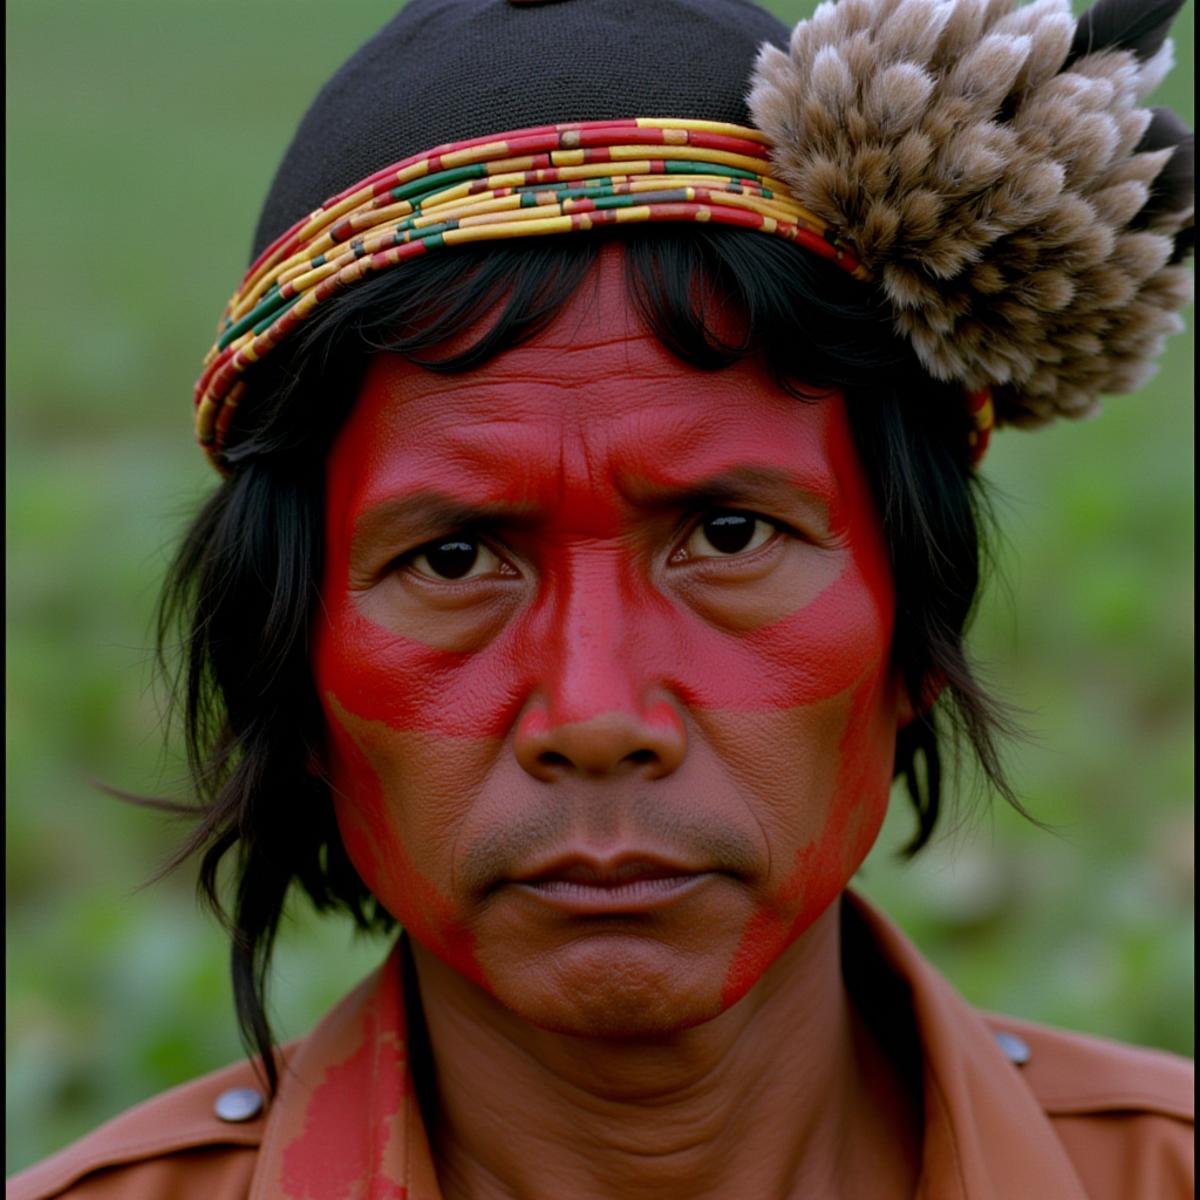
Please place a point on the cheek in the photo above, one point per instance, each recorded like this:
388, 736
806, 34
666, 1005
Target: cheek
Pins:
398, 801
822, 835
379, 675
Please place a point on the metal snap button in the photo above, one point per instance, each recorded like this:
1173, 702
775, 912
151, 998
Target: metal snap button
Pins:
1016, 1049
238, 1104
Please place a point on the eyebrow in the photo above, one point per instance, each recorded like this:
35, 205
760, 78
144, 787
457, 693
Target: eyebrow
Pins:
742, 484
426, 510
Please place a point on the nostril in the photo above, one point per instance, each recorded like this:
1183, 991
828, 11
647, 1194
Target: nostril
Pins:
614, 742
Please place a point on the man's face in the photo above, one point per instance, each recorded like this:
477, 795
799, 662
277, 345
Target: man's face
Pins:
605, 668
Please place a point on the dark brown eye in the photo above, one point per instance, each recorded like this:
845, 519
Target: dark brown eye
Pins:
729, 532
724, 533
457, 557
452, 560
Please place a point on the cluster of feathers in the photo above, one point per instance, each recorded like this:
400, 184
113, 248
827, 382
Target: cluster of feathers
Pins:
992, 166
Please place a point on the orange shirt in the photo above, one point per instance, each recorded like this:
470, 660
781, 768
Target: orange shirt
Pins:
1013, 1111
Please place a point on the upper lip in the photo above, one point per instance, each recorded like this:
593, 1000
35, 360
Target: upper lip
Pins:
607, 871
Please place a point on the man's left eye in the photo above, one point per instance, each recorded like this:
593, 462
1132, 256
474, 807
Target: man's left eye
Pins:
725, 533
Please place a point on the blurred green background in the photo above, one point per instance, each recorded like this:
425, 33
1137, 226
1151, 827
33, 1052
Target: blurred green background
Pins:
142, 137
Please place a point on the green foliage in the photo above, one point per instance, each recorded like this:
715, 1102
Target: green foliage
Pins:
142, 137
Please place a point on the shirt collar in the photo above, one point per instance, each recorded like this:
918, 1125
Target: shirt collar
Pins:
986, 1136
346, 1122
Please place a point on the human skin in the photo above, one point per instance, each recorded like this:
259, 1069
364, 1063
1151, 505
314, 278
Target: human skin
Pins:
611, 779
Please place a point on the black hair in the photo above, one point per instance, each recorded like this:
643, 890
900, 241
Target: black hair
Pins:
243, 590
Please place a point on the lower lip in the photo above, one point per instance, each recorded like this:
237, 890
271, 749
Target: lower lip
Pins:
639, 895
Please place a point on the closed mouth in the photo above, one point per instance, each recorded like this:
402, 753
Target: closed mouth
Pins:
593, 886
594, 873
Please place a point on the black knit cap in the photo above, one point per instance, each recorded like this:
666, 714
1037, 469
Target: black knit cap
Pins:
446, 70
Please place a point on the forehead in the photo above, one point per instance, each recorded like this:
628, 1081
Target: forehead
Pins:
594, 398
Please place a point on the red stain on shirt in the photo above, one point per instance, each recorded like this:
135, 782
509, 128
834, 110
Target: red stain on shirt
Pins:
355, 1112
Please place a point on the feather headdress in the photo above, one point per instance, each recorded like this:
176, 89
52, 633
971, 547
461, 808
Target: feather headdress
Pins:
991, 165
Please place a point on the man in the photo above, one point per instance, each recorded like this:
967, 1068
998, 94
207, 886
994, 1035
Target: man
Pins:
573, 597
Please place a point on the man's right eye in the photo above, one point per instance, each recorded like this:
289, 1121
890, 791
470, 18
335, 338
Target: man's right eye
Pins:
461, 556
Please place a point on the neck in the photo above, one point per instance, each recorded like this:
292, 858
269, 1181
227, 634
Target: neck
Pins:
785, 1094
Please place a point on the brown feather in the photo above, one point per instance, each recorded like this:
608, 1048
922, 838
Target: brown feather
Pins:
1022, 213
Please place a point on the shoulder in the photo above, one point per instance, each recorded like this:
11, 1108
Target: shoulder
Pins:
174, 1144
1124, 1114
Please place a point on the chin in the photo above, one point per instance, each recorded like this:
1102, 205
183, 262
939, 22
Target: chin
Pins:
616, 987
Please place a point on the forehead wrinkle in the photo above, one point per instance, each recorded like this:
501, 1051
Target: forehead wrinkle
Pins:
471, 459
587, 503
634, 452
707, 447
586, 419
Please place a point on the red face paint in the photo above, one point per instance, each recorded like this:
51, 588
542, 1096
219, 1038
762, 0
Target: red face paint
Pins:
604, 684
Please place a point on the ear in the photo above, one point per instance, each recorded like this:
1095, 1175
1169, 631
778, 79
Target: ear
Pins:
907, 710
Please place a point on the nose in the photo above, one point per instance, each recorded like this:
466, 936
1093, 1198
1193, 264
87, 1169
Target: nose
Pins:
601, 704
650, 742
